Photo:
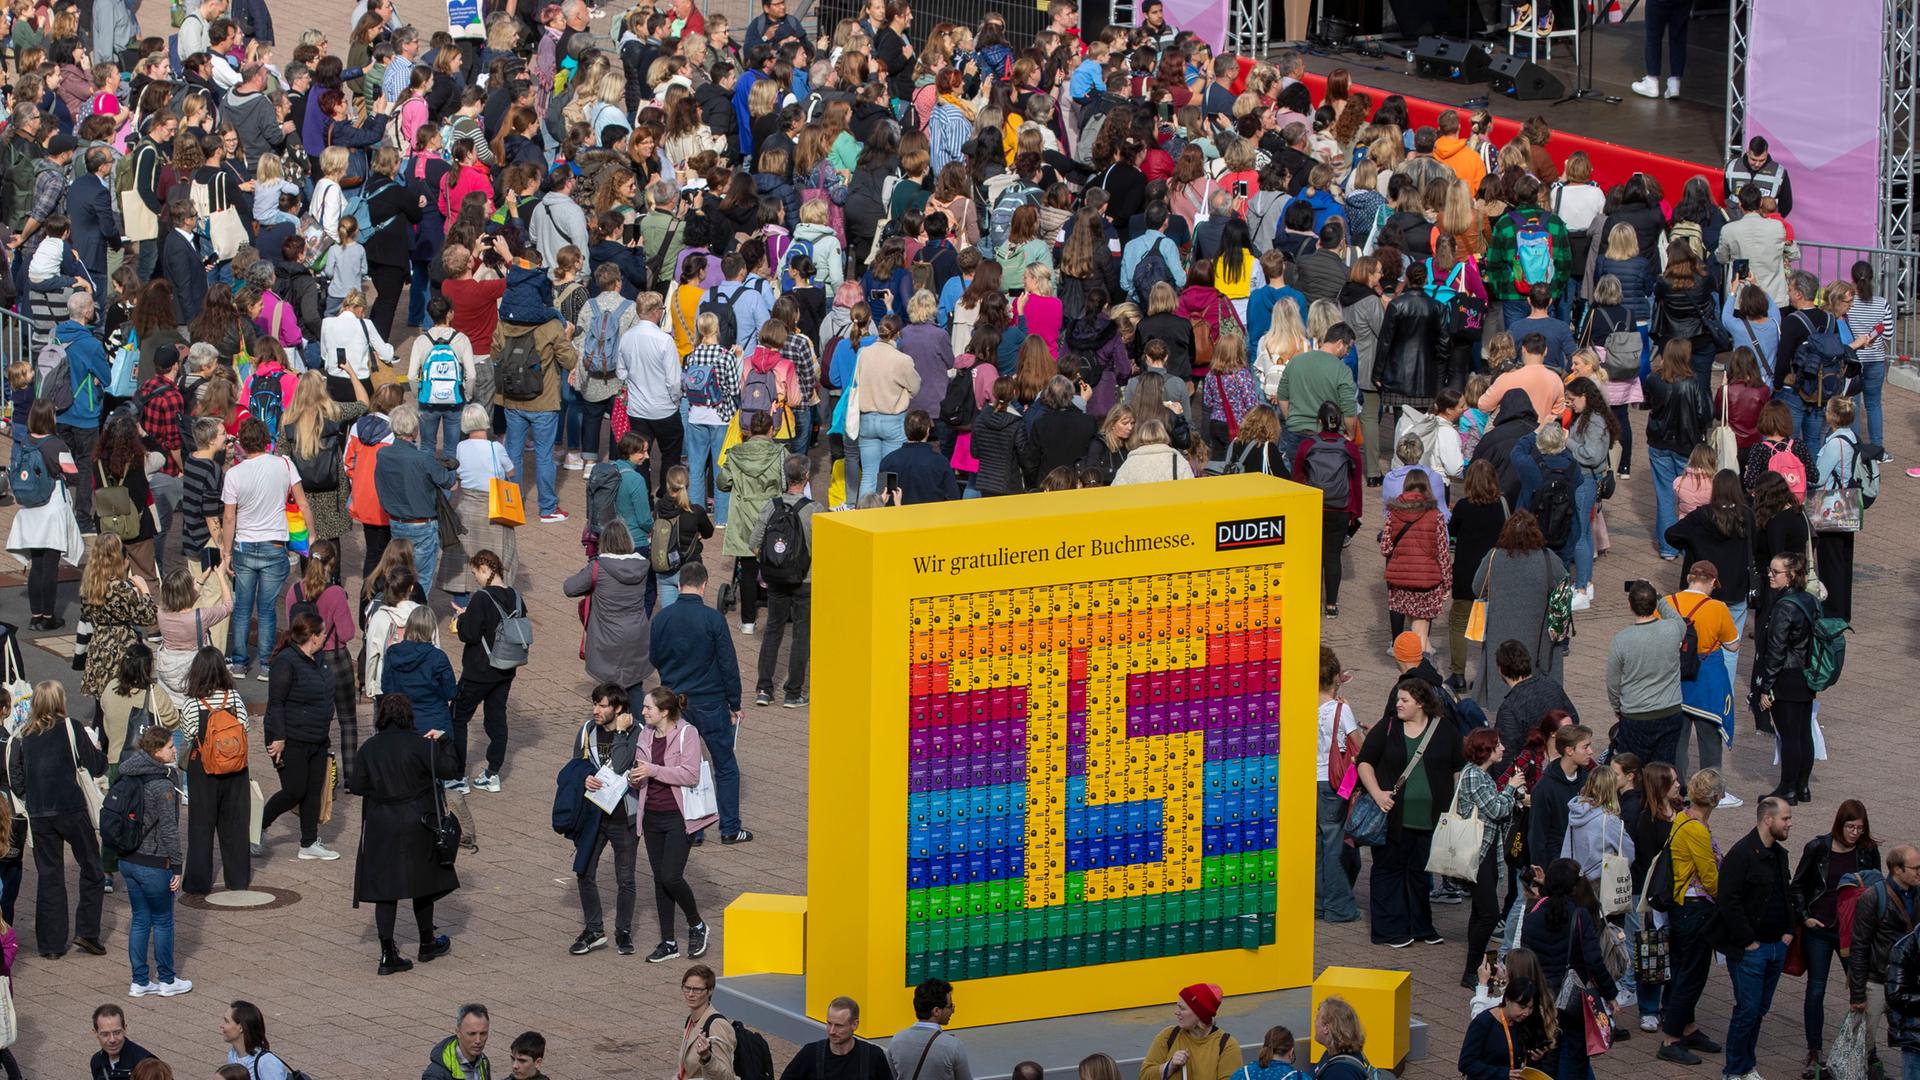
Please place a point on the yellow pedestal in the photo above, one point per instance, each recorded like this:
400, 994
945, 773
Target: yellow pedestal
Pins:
1384, 1002
766, 934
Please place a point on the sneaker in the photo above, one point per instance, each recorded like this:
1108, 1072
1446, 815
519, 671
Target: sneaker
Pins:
588, 941
1627, 1000
698, 936
1446, 896
238, 671
487, 781
138, 990
1434, 939
1546, 24
1649, 1022
663, 952
588, 461
173, 989
461, 786
1673, 88
1677, 1054
1650, 87
1522, 19
1730, 799
1582, 600
763, 699
746, 629
554, 518
623, 942
574, 463
1914, 472
261, 675
795, 702
1332, 611
1699, 1041
742, 837
317, 850
1399, 944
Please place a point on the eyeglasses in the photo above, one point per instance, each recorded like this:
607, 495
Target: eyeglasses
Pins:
691, 989
1774, 571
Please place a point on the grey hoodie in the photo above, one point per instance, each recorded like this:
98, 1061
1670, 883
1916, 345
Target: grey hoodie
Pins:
1592, 832
159, 811
253, 117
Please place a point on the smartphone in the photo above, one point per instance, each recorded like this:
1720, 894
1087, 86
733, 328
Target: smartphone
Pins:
1741, 268
889, 481
1165, 110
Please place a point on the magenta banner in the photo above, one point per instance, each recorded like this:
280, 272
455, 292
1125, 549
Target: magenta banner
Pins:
1207, 18
1813, 91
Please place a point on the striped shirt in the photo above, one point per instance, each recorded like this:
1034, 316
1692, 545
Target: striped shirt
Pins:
1862, 317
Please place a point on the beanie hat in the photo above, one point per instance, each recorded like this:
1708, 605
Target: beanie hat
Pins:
1406, 647
1203, 999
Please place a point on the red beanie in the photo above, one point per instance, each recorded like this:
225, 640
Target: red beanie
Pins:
1203, 999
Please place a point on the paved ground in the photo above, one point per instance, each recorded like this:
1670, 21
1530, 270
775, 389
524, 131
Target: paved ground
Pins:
310, 963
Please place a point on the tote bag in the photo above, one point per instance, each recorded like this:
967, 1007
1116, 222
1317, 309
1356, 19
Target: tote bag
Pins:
1726, 448
1456, 843
1615, 888
1477, 618
700, 800
503, 500
94, 788
9, 1022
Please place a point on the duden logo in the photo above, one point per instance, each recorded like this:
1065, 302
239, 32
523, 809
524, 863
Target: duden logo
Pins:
1250, 533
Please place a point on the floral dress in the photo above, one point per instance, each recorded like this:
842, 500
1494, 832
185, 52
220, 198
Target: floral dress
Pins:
119, 623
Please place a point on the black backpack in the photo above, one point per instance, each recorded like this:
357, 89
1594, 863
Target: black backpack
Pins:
520, 374
1553, 502
958, 406
603, 490
123, 824
784, 556
721, 308
321, 472
752, 1057
1689, 643
1659, 893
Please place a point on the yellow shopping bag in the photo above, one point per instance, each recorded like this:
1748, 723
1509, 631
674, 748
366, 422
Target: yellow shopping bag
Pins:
503, 503
837, 486
732, 440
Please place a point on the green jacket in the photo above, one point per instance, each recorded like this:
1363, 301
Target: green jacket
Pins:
1502, 275
752, 473
443, 1063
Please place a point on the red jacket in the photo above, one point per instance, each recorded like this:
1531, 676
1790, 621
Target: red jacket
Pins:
1355, 470
1419, 559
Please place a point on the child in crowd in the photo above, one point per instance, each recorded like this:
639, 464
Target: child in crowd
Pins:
528, 1051
1693, 488
269, 185
1473, 422
346, 265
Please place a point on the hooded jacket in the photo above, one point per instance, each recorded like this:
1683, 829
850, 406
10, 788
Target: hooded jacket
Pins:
302, 290
300, 697
1097, 338
618, 635
931, 350
443, 1063
1516, 420
421, 671
1439, 440
253, 117
716, 110
87, 367
1551, 812
1007, 453
370, 433
769, 186
1593, 831
828, 254
159, 811
557, 222
1455, 153
752, 473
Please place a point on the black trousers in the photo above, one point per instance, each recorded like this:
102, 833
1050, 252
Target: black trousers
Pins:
489, 694
346, 703
1333, 535
667, 848
616, 831
1625, 423
1692, 960
1833, 551
787, 605
80, 440
1794, 722
51, 837
303, 780
1485, 913
1400, 888
388, 280
43, 581
667, 437
377, 537
386, 912
746, 578
218, 808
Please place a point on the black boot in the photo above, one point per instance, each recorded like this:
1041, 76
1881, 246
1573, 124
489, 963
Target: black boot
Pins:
438, 947
391, 962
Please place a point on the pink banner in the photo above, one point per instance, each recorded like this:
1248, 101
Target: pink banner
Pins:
1813, 92
1207, 18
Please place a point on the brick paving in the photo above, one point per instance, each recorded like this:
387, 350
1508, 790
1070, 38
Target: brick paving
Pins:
309, 964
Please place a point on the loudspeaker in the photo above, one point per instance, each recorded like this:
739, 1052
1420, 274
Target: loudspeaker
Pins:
1520, 78
1441, 58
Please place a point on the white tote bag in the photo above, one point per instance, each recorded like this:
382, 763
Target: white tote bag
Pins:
1456, 844
9, 1023
1614, 890
700, 800
94, 788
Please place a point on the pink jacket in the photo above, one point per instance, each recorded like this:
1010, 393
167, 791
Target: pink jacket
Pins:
681, 769
473, 177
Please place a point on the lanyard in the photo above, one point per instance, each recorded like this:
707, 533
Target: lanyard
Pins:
1500, 1013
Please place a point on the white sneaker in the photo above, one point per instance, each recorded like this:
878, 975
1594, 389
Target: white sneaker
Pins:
1581, 601
1730, 799
1627, 1000
1649, 1021
487, 781
746, 628
555, 518
1647, 87
317, 850
459, 787
573, 463
173, 989
1673, 91
138, 990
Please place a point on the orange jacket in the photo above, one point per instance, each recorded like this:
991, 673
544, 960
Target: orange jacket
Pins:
364, 504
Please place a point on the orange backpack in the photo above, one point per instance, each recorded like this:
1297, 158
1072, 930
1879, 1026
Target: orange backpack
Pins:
222, 748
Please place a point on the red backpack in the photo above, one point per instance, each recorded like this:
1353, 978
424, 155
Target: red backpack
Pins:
1784, 461
1847, 897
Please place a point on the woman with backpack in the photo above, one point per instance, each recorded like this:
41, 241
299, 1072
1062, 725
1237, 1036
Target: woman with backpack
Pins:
1201, 1047
1565, 934
44, 532
122, 503
484, 684
213, 728
1540, 462
1780, 682
300, 708
1316, 464
1677, 421
1843, 464
613, 586
42, 762
1828, 860
1775, 450
1337, 1028
1419, 560
152, 870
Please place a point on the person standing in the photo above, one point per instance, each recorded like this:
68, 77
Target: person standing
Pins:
117, 1054
669, 753
693, 653
607, 741
752, 474
89, 373
1484, 801
1407, 766
42, 761
411, 482
484, 684
463, 1054
1826, 861
615, 582
1779, 677
253, 541
938, 1058
1517, 578
395, 773
1339, 728
153, 869
543, 346
1882, 920
1643, 678
785, 520
841, 1055
1757, 915
218, 804
1565, 937
1903, 1002
1707, 698
649, 365
707, 1041
298, 728
1696, 883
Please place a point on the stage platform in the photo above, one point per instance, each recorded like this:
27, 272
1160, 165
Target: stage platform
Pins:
775, 1004
1689, 127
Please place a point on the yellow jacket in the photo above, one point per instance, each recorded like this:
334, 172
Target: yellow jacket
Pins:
1216, 1056
1693, 857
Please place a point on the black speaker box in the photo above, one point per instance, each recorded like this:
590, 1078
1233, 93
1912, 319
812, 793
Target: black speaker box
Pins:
1455, 61
1520, 78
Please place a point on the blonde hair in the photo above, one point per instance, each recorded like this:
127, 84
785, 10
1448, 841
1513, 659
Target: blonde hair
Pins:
106, 564
1603, 790
333, 162
706, 328
349, 229
1338, 1027
49, 706
676, 481
269, 167
813, 212
1229, 354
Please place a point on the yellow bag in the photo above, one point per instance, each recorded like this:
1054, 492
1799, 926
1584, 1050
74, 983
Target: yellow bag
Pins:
503, 503
1477, 621
837, 486
733, 439
326, 793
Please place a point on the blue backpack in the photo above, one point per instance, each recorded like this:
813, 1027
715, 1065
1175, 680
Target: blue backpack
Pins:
266, 402
440, 374
32, 481
1532, 250
358, 204
701, 384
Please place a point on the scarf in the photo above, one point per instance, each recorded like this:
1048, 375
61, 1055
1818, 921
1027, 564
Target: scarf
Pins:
954, 100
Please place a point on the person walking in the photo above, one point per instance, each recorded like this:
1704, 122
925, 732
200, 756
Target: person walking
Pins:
1330, 460
752, 475
1419, 559
42, 762
1678, 415
1826, 862
301, 695
486, 678
693, 653
669, 754
253, 541
1779, 677
219, 801
1517, 578
1339, 745
1407, 766
1493, 805
706, 1047
1758, 913
614, 584
606, 741
786, 520
395, 773
1696, 884
1474, 529
152, 871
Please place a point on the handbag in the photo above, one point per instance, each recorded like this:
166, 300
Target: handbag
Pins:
1796, 962
9, 1020
445, 827
700, 800
1598, 1016
1340, 771
1366, 822
503, 500
91, 786
1835, 510
1477, 618
1815, 588
326, 793
1615, 887
451, 527
1726, 447
1457, 839
1652, 956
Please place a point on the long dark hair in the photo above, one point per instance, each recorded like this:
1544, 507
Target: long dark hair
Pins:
253, 1024
208, 676
1596, 406
136, 670
1862, 278
1854, 810
1563, 878
1728, 504
1771, 498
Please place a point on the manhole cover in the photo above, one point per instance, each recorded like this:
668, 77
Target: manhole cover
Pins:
250, 899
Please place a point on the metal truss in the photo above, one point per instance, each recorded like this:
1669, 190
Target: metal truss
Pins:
1249, 24
1738, 12
1900, 84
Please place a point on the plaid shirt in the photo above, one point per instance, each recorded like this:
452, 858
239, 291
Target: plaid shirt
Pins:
161, 405
799, 351
726, 377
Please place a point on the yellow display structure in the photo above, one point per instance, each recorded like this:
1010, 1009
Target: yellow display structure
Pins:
766, 932
1062, 749
1384, 1002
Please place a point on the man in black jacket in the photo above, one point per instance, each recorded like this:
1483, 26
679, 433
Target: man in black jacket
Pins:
1529, 697
1757, 915
716, 102
182, 263
1883, 915
1558, 784
921, 474
117, 1054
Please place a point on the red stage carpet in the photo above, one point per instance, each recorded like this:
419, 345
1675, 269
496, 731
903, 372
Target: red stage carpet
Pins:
1612, 163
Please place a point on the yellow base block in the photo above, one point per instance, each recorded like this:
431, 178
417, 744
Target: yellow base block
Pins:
765, 934
1384, 1002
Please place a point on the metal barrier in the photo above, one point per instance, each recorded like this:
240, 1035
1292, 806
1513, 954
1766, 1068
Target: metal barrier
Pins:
1896, 273
16, 338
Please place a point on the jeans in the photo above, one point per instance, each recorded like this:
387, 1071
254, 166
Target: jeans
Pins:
616, 830
803, 430
440, 429
166, 495
1755, 973
149, 259
570, 415
1809, 421
787, 605
1585, 497
1332, 896
669, 585
1732, 656
1692, 956
1668, 17
715, 725
259, 572
1401, 888
152, 921
1667, 467
419, 292
425, 538
703, 463
667, 848
880, 434
1650, 740
1910, 1065
1703, 370
1873, 381
545, 426
1820, 946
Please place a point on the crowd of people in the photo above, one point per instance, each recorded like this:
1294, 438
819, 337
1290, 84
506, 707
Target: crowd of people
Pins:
738, 282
